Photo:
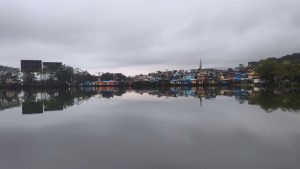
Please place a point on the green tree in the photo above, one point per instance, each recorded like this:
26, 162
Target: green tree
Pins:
29, 78
241, 68
268, 69
65, 75
119, 77
107, 76
8, 74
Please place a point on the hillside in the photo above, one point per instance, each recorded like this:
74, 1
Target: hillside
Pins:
294, 58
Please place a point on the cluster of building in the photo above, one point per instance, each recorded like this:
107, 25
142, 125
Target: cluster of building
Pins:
198, 76
203, 76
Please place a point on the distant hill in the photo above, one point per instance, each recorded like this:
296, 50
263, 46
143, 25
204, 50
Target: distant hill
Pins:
6, 69
294, 58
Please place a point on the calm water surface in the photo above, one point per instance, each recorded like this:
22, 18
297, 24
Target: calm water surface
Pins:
173, 128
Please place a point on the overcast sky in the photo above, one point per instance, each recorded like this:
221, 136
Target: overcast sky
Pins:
140, 36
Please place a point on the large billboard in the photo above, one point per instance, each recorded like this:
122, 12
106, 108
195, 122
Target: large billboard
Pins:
52, 66
31, 65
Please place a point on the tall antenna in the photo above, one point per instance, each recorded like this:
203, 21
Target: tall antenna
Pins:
200, 65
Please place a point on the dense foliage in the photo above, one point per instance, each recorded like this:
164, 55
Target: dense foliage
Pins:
113, 76
280, 70
70, 75
8, 74
66, 75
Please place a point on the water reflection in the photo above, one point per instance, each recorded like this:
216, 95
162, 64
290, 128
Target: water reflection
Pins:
40, 100
211, 128
9, 99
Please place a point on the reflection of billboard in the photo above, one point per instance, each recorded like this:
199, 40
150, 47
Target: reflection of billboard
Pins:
31, 65
32, 107
53, 105
52, 66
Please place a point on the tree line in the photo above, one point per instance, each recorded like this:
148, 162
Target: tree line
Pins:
284, 69
67, 75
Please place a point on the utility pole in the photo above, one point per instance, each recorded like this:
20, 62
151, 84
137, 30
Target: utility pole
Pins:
200, 65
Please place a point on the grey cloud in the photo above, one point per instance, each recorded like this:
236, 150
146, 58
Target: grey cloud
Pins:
141, 36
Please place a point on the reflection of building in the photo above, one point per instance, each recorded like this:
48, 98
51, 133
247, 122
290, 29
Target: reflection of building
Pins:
39, 101
107, 83
31, 65
32, 107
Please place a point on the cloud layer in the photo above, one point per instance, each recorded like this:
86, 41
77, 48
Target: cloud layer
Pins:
141, 36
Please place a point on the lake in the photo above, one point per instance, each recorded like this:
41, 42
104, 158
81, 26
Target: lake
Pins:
168, 128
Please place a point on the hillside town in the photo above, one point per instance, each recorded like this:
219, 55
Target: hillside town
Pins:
36, 72
202, 76
271, 70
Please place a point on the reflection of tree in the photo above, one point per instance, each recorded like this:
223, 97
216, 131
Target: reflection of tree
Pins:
107, 94
39, 100
68, 98
31, 95
9, 99
267, 100
120, 92
240, 95
270, 101
35, 100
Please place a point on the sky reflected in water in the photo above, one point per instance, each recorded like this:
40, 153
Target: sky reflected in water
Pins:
128, 129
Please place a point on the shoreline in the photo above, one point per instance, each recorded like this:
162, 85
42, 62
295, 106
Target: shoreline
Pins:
146, 85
